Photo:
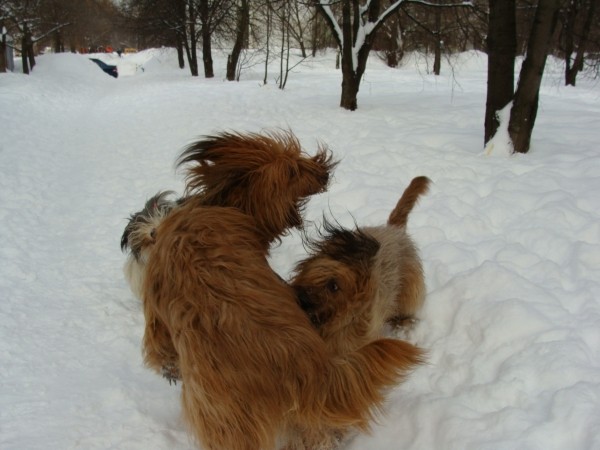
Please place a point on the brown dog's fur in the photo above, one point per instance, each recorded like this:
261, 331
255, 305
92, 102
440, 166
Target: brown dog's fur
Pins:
357, 281
253, 367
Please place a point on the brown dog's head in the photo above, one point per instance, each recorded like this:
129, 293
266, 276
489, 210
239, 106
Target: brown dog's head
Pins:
334, 285
267, 176
141, 228
140, 235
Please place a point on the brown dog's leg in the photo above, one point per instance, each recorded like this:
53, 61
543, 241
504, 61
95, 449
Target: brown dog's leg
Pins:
159, 352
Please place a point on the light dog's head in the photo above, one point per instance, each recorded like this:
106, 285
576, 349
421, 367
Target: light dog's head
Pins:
140, 235
335, 285
267, 176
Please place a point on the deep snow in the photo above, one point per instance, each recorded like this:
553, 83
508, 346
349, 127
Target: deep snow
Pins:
510, 244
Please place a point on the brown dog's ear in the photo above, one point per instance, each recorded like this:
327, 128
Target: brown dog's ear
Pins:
399, 216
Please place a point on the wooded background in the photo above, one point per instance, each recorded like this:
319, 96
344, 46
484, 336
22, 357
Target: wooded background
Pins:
258, 31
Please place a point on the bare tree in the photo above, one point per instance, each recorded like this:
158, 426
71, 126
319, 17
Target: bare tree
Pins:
24, 18
355, 31
3, 44
389, 42
321, 37
161, 22
241, 38
436, 21
525, 104
183, 24
577, 28
212, 14
286, 13
501, 51
269, 27
283, 14
299, 22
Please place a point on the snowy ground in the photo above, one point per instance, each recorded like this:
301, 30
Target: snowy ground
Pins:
511, 245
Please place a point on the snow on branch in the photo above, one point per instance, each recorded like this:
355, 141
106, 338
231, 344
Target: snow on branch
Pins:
366, 24
325, 6
49, 32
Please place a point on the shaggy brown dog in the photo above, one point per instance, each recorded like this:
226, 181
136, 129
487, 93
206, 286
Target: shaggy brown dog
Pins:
356, 281
253, 367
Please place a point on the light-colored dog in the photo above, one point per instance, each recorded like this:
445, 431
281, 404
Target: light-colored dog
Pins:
355, 282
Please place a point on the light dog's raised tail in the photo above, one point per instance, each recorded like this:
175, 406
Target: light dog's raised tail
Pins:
418, 186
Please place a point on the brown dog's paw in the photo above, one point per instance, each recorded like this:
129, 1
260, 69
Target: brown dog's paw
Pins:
171, 372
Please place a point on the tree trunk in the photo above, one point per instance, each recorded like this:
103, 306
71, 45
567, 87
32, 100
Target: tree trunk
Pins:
3, 63
206, 40
350, 87
316, 31
303, 49
30, 54
351, 76
525, 103
501, 51
179, 46
573, 67
437, 62
349, 82
284, 67
207, 55
356, 41
25, 50
393, 51
243, 21
57, 42
189, 41
300, 31
268, 43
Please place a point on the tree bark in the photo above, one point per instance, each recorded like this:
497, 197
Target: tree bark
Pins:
354, 64
189, 40
179, 46
242, 29
350, 84
27, 50
3, 63
437, 62
207, 55
525, 104
206, 40
501, 51
573, 67
57, 42
268, 43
